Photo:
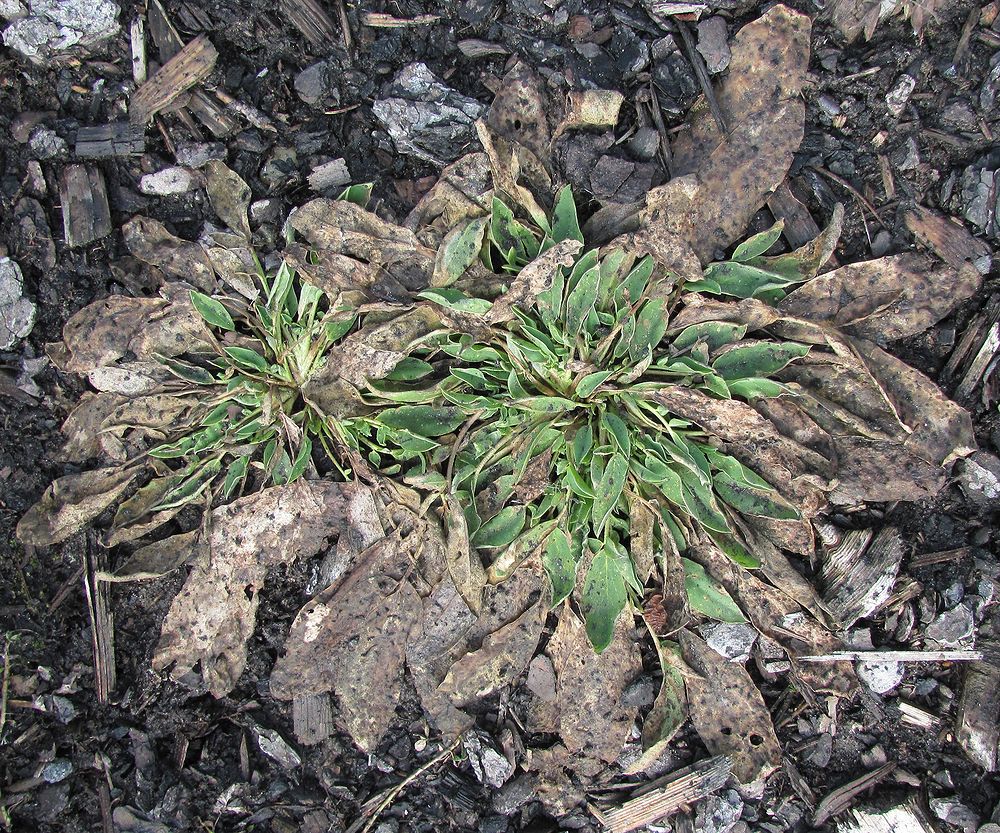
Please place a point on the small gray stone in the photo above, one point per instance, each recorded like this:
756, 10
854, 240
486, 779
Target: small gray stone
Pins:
53, 26
718, 813
880, 677
195, 155
542, 678
899, 96
954, 812
329, 176
490, 766
58, 770
514, 795
265, 211
17, 313
166, 183
881, 243
276, 747
979, 478
644, 144
12, 10
312, 84
45, 143
640, 693
828, 104
953, 627
713, 43
733, 640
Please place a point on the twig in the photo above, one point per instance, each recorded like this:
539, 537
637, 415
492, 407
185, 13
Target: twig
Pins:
668, 161
843, 183
840, 799
701, 71
6, 684
896, 656
345, 26
363, 826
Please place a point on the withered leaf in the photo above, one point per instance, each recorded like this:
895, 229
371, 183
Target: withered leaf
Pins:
948, 239
159, 558
728, 712
73, 501
229, 195
83, 426
464, 565
593, 723
669, 710
350, 640
508, 161
463, 191
520, 110
150, 242
129, 378
884, 299
212, 617
532, 280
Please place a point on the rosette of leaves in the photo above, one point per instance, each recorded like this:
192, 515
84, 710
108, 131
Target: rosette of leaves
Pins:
567, 444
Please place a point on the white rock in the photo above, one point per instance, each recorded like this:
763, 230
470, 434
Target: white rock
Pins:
954, 812
953, 627
899, 96
54, 26
167, 182
880, 677
12, 10
731, 640
17, 313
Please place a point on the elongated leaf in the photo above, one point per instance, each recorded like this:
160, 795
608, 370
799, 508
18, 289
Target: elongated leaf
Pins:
454, 299
212, 311
609, 490
764, 359
560, 565
753, 500
581, 301
520, 549
758, 244
707, 596
459, 250
423, 420
565, 225
756, 388
650, 325
464, 565
500, 530
247, 358
591, 382
604, 598
715, 334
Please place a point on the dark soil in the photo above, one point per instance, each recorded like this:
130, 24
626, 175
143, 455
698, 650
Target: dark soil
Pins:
192, 763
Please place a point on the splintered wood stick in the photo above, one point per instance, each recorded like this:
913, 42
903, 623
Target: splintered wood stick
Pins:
896, 656
192, 65
681, 789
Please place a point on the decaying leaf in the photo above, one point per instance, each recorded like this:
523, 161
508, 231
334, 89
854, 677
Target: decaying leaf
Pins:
83, 426
72, 502
149, 240
885, 299
669, 710
463, 192
728, 712
229, 195
159, 558
212, 617
593, 722
350, 640
534, 279
464, 565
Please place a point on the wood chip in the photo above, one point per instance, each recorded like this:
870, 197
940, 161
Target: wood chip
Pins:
858, 573
84, 197
896, 656
329, 176
165, 36
310, 19
977, 368
102, 624
137, 35
842, 797
978, 718
312, 718
211, 114
948, 239
914, 716
104, 141
192, 65
908, 817
473, 48
380, 20
667, 795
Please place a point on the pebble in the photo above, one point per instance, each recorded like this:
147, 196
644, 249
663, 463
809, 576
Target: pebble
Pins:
45, 143
718, 813
644, 144
899, 96
17, 313
979, 478
313, 83
732, 640
881, 243
955, 812
640, 693
880, 677
542, 678
276, 748
713, 43
953, 627
166, 183
489, 765
58, 770
12, 10
196, 155
54, 26
514, 795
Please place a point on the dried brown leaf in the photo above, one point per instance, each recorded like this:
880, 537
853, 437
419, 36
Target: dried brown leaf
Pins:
212, 617
73, 501
885, 299
350, 640
82, 427
594, 723
532, 280
520, 110
464, 565
464, 191
728, 712
229, 195
509, 163
149, 241
159, 558
948, 239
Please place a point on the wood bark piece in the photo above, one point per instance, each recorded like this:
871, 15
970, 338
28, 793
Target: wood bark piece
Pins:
665, 796
908, 817
978, 719
978, 366
104, 141
84, 197
859, 572
310, 19
842, 797
312, 718
948, 239
211, 114
192, 65
102, 625
165, 36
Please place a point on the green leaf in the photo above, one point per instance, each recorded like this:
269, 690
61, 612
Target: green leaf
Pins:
735, 550
235, 476
509, 235
581, 301
715, 334
423, 420
707, 596
752, 500
454, 299
702, 505
758, 244
763, 358
281, 290
520, 548
650, 325
212, 311
756, 388
619, 431
189, 372
409, 370
503, 528
545, 404
247, 358
634, 284
603, 599
301, 461
741, 280
358, 194
591, 382
565, 225
560, 565
459, 250
609, 489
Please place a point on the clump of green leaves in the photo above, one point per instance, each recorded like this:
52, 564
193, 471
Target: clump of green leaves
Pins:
565, 442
